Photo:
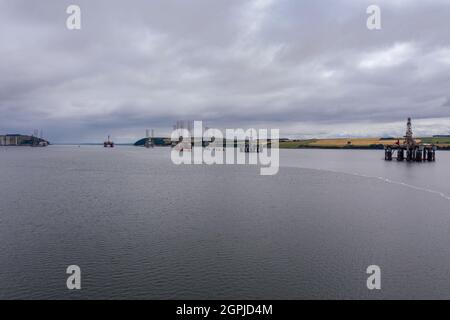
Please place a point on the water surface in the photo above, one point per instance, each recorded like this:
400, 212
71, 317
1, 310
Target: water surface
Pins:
141, 227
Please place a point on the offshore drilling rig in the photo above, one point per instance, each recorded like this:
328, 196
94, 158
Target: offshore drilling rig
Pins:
409, 149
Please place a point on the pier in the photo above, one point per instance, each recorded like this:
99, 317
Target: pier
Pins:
251, 146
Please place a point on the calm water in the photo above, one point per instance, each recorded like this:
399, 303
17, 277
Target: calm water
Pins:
141, 227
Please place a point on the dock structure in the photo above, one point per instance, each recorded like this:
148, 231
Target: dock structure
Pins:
251, 146
409, 149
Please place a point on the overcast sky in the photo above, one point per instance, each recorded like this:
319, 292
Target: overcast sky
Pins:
310, 68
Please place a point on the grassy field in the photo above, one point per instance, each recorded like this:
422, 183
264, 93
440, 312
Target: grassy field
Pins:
437, 141
356, 143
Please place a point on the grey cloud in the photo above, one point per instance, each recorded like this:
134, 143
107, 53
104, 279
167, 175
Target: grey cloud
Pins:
306, 67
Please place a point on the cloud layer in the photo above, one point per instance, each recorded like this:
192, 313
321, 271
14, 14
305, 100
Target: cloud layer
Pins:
310, 68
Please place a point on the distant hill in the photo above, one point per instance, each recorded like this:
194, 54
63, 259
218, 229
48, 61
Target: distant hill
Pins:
158, 141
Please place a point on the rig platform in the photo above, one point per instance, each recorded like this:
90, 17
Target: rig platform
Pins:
409, 149
108, 143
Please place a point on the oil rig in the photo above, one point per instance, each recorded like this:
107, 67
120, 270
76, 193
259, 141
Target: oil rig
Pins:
108, 143
410, 150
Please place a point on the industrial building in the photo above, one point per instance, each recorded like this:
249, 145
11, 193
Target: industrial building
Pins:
22, 140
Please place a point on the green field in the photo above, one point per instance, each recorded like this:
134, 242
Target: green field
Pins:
437, 141
295, 144
355, 143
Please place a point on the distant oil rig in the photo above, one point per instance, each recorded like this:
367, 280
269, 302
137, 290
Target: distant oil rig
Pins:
108, 143
410, 150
